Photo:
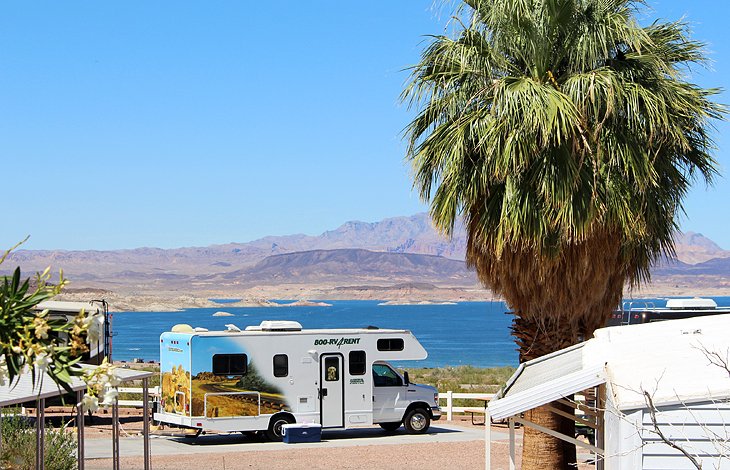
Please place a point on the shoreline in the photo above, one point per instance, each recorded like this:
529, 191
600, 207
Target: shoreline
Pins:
301, 296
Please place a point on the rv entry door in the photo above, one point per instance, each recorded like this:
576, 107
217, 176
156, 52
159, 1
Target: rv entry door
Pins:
331, 391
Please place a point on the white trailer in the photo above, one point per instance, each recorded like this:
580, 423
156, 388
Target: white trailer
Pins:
277, 373
67, 311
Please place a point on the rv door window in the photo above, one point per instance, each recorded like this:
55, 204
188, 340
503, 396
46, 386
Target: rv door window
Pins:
230, 364
390, 344
384, 376
358, 364
332, 366
281, 365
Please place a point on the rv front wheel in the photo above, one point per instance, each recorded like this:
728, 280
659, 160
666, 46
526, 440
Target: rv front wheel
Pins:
275, 431
417, 421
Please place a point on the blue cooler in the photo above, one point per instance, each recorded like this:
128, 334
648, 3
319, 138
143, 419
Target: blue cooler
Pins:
302, 432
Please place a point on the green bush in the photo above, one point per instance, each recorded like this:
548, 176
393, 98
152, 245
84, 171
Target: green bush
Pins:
463, 379
19, 446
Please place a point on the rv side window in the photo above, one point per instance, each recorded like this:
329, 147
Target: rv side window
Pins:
357, 363
281, 365
390, 344
230, 364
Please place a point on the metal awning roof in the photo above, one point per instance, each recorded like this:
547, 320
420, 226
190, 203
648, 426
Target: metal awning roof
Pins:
23, 390
63, 306
546, 379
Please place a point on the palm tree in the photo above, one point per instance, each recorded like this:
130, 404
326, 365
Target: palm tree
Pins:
566, 135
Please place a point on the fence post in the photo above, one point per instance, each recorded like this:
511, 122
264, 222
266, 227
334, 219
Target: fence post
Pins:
449, 405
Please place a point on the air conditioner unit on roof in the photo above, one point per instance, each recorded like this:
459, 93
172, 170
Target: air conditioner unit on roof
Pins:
280, 325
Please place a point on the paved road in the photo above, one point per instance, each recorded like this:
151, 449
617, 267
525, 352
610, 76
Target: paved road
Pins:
162, 445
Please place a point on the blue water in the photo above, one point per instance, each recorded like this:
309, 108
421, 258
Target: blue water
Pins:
473, 333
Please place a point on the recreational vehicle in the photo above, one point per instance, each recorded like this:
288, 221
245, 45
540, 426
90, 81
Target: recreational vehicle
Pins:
277, 373
67, 311
636, 312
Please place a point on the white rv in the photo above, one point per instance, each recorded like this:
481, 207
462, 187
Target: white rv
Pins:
67, 311
277, 373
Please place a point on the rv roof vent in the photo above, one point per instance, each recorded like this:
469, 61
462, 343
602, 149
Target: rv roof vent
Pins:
232, 328
200, 329
182, 328
280, 325
253, 328
691, 304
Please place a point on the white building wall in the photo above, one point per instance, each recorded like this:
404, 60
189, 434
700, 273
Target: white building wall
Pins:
702, 429
622, 439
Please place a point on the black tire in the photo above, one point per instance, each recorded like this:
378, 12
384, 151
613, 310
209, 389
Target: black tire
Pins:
417, 421
390, 427
275, 432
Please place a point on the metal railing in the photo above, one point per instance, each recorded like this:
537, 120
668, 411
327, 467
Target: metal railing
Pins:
451, 396
153, 392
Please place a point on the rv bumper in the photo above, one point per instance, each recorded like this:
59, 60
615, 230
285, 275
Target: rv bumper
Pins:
435, 413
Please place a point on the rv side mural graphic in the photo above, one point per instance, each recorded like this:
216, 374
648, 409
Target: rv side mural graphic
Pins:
176, 390
221, 379
235, 395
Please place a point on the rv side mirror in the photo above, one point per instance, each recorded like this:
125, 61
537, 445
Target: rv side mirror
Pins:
405, 377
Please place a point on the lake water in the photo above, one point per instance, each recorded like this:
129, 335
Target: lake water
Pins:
468, 333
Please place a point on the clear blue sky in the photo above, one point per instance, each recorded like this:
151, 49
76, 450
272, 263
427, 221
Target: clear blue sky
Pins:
131, 123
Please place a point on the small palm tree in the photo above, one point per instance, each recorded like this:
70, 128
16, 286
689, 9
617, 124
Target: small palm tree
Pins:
566, 135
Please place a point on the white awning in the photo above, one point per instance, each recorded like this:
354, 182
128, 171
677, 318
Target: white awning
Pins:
24, 390
547, 379
71, 307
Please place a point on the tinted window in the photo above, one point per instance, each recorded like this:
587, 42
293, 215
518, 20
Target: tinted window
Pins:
332, 368
357, 363
230, 364
281, 365
384, 376
390, 344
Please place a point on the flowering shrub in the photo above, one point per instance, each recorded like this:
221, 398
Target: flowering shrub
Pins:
31, 342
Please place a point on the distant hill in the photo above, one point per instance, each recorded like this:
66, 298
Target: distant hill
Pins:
399, 250
355, 265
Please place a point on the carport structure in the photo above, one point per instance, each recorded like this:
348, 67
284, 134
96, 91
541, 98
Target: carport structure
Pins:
552, 378
24, 390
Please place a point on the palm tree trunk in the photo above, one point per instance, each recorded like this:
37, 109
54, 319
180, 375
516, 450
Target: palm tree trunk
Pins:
541, 451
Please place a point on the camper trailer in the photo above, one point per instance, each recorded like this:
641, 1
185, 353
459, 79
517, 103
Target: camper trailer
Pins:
67, 311
636, 312
277, 373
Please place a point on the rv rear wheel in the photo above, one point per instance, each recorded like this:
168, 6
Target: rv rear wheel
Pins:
417, 421
275, 431
390, 427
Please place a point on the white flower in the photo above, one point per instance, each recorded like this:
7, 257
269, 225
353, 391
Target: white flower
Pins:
89, 403
109, 394
3, 371
94, 328
42, 361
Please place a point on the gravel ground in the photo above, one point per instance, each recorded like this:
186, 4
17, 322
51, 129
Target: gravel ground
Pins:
437, 456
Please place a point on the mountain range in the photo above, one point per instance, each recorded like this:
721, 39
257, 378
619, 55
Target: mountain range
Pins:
399, 251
